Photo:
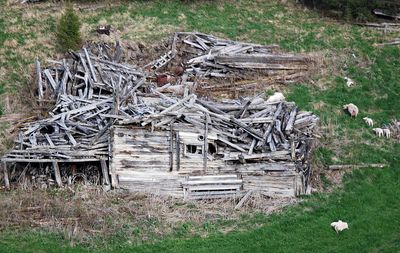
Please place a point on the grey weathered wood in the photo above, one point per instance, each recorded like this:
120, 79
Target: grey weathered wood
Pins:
39, 78
355, 166
49, 140
253, 144
57, 174
244, 199
78, 127
90, 65
105, 172
205, 143
231, 144
270, 126
178, 151
51, 79
171, 147
290, 123
292, 148
243, 110
5, 171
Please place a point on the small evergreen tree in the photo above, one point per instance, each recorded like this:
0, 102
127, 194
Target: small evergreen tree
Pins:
68, 30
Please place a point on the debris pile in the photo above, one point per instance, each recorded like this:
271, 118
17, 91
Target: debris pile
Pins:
209, 62
93, 91
86, 90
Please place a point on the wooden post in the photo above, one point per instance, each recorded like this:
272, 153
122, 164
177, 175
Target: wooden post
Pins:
6, 180
178, 152
205, 145
39, 78
57, 173
171, 147
104, 170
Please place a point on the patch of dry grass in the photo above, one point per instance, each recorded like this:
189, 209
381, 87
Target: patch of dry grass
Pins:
83, 212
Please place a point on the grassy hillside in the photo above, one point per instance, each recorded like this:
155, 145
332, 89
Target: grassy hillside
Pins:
369, 200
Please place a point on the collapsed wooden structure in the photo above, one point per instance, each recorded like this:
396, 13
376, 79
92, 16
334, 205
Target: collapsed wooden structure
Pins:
111, 116
210, 61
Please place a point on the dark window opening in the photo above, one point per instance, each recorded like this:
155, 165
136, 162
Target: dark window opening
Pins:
212, 149
193, 149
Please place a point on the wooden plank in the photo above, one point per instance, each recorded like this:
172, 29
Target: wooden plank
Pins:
283, 154
113, 135
213, 187
105, 172
178, 151
6, 179
49, 141
244, 199
205, 144
231, 144
45, 160
355, 166
90, 65
50, 78
290, 123
39, 78
204, 182
57, 174
208, 177
253, 144
171, 147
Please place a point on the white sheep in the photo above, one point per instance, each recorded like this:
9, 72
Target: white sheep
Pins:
277, 97
349, 82
386, 132
378, 131
352, 109
339, 226
369, 121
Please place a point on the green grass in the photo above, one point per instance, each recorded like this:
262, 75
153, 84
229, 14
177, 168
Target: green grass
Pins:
369, 200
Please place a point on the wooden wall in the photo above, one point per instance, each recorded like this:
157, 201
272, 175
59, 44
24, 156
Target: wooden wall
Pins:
147, 161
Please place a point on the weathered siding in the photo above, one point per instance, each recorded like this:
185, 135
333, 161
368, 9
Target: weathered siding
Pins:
141, 161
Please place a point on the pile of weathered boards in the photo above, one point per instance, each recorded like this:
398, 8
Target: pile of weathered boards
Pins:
93, 91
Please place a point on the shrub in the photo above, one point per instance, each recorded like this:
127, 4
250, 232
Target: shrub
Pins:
68, 30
